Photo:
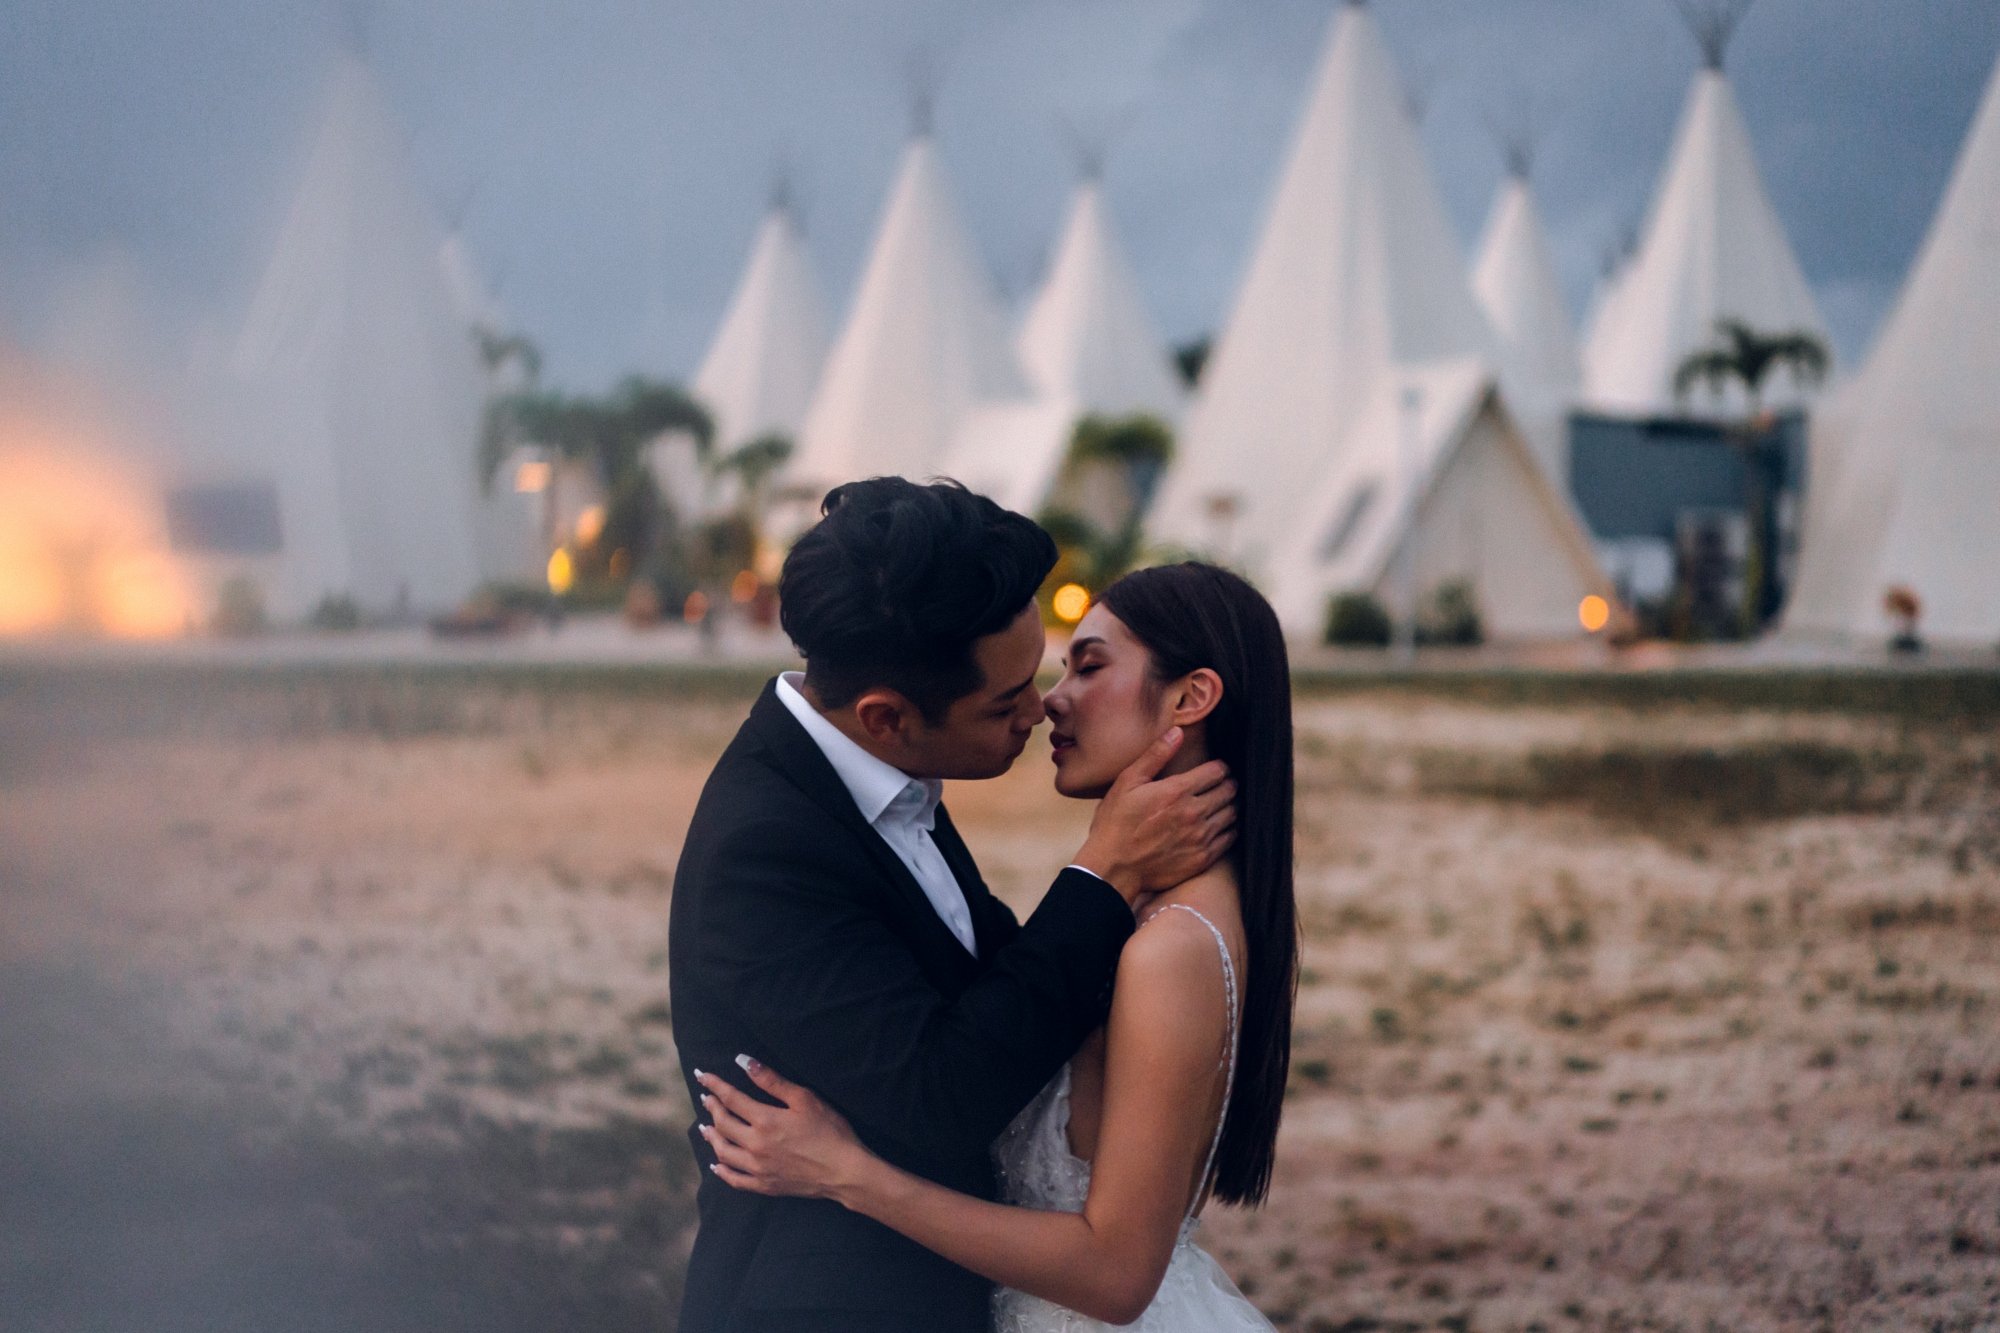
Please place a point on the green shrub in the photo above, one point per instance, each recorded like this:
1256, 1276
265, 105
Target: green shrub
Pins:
337, 612
1355, 620
1452, 616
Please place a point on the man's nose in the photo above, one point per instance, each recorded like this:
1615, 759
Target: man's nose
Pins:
1037, 707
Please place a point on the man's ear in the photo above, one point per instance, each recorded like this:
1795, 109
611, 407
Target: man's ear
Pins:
1194, 696
885, 716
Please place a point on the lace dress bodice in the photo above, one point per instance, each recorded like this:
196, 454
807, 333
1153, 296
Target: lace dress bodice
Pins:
1038, 1170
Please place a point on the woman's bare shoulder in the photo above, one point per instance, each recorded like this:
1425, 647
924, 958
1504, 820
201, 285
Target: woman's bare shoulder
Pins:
1167, 949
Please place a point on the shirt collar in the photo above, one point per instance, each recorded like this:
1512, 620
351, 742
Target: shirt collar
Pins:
873, 783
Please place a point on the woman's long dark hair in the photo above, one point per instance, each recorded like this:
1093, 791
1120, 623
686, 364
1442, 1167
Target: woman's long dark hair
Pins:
1190, 616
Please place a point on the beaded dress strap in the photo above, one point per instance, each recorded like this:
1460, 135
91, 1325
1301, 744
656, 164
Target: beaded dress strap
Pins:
1229, 1061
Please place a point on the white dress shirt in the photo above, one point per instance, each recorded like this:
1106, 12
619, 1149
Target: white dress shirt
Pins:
900, 808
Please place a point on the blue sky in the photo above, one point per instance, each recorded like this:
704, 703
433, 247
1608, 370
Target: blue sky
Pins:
616, 153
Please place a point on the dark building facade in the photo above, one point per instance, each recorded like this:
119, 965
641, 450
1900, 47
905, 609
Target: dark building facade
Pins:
1669, 500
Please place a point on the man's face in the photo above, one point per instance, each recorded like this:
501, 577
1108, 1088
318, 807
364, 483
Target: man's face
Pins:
983, 733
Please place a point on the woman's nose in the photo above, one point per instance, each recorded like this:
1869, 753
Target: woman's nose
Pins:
1037, 707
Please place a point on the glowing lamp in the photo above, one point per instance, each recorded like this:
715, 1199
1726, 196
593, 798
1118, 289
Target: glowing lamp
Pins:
1070, 602
695, 609
532, 477
562, 571
590, 525
1594, 613
743, 587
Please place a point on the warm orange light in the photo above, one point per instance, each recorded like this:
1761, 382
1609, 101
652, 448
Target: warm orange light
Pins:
1594, 613
562, 571
1070, 602
82, 541
532, 477
743, 588
590, 525
695, 609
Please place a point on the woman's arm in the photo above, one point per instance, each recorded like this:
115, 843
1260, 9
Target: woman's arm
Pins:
1164, 1039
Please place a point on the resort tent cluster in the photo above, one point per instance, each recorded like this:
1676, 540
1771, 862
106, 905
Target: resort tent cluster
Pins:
1376, 416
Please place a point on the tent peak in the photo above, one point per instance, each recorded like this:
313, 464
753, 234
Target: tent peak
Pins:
1713, 23
921, 77
1087, 149
1517, 128
783, 196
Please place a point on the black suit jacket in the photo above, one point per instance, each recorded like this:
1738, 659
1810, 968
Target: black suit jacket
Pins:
797, 936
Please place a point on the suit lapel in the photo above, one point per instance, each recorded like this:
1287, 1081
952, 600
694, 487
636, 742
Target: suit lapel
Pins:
799, 758
966, 872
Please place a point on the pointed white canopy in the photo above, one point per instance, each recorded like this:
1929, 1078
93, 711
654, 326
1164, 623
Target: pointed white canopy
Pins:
1712, 248
1088, 336
759, 373
926, 341
1516, 283
364, 386
1904, 471
1356, 271
1087, 345
1441, 476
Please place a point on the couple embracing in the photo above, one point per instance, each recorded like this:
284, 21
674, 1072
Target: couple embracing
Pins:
915, 1112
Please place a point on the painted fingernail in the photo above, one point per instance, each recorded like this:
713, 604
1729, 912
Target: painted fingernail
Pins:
699, 1075
715, 1167
747, 1065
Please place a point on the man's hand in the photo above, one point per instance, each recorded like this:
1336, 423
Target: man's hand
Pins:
1151, 833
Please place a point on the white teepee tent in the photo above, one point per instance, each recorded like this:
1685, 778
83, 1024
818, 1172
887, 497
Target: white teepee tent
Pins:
1088, 345
1356, 371
1441, 487
925, 343
1088, 336
1516, 283
1904, 469
1712, 248
1356, 271
758, 376
363, 386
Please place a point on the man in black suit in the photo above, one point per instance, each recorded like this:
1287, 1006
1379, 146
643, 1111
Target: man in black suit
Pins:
828, 920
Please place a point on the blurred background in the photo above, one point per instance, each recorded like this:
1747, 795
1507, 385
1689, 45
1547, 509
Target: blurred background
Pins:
405, 410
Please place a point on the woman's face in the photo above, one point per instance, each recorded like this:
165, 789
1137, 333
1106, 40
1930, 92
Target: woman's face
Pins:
1105, 710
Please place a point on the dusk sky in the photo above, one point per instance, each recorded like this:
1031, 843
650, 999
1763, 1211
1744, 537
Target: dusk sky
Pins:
617, 153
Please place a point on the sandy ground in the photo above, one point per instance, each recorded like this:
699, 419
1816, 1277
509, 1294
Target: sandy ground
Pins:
340, 1003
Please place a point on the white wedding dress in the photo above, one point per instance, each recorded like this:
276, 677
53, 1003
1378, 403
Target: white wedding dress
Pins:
1037, 1170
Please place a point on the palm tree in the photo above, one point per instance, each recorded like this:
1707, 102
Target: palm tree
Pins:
612, 432
754, 463
1743, 355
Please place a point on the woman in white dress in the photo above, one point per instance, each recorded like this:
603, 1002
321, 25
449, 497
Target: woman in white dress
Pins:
1176, 1100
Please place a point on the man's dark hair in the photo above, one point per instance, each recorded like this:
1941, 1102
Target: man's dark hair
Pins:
897, 581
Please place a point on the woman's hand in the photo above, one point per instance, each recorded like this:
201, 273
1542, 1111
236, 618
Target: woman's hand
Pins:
802, 1147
